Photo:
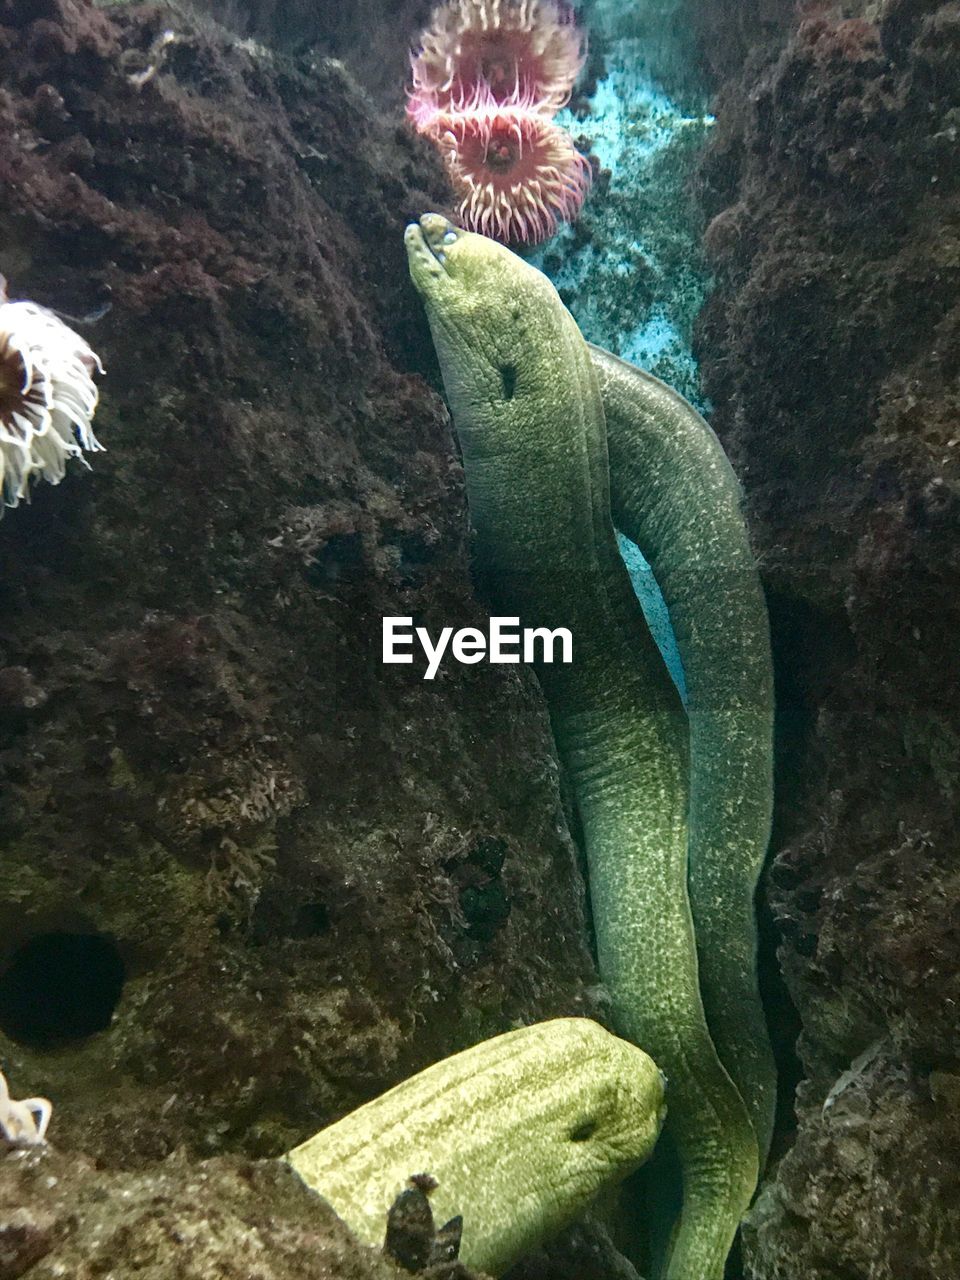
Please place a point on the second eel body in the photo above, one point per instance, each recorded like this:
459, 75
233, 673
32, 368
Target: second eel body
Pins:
674, 493
526, 405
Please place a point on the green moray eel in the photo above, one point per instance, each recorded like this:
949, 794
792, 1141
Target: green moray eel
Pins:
674, 493
526, 405
519, 1132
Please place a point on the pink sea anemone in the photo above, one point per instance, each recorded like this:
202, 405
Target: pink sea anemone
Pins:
518, 174
488, 77
526, 53
47, 397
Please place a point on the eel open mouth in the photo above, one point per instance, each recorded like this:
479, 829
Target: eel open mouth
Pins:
426, 243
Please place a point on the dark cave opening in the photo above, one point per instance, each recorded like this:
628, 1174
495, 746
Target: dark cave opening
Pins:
783, 1024
59, 987
812, 650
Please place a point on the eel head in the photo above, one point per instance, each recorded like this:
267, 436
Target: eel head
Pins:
496, 322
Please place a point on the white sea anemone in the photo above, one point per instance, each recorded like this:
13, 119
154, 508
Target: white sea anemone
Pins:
47, 397
23, 1122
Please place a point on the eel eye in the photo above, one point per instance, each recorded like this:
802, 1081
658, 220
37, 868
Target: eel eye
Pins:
450, 237
584, 1130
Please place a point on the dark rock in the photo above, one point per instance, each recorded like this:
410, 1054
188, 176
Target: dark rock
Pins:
410, 1226
831, 352
729, 32
884, 1146
206, 772
584, 1251
372, 36
221, 1219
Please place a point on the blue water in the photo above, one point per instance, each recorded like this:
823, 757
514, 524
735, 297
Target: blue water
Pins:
654, 610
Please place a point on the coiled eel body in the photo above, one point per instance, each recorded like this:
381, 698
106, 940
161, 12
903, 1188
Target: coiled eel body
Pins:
527, 408
519, 1132
674, 493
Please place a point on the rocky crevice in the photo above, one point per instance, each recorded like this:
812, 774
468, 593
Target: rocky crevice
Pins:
830, 349
292, 875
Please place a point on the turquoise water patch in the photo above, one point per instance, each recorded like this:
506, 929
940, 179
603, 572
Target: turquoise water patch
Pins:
631, 118
654, 610
632, 271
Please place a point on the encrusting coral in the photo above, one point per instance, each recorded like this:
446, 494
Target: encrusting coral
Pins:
47, 397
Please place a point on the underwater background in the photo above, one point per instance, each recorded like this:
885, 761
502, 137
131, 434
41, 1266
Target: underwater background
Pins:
249, 876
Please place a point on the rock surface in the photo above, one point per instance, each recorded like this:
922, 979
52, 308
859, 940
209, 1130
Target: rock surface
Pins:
221, 1219
251, 876
372, 36
831, 351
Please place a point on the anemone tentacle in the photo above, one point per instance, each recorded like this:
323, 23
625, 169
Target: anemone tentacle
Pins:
47, 397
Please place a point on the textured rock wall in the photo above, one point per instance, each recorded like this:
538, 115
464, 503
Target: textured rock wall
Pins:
220, 1219
291, 875
281, 876
831, 351
372, 36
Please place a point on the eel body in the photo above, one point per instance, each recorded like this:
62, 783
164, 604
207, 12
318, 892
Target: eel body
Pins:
519, 1133
674, 493
526, 406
